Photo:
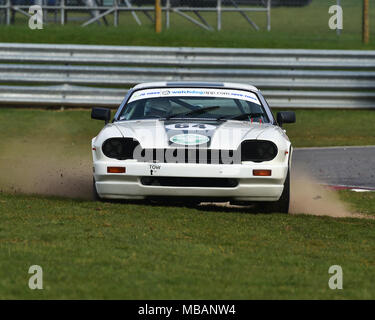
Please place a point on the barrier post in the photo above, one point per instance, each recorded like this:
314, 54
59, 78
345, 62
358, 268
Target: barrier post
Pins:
218, 8
269, 15
167, 14
62, 12
365, 27
115, 14
157, 16
8, 12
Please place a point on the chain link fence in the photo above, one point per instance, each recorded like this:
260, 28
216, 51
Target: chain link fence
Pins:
213, 3
299, 18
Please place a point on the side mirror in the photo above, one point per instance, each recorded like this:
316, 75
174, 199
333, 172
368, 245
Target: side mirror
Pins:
285, 117
101, 114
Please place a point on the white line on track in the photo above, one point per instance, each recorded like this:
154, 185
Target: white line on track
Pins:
333, 148
351, 188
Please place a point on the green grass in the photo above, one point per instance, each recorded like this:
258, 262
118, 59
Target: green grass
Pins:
134, 251
305, 27
361, 202
94, 250
321, 128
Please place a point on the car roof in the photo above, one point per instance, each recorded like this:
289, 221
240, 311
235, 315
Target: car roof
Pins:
194, 84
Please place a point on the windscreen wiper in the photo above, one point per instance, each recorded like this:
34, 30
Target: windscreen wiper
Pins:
242, 116
191, 113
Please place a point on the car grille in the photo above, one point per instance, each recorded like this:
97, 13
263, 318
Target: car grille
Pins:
249, 150
197, 156
190, 182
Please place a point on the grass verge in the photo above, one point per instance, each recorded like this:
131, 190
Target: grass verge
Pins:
361, 202
94, 250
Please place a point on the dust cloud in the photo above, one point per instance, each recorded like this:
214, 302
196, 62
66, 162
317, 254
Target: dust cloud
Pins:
45, 169
57, 169
309, 196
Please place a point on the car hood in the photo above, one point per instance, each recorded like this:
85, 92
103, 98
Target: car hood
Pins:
211, 134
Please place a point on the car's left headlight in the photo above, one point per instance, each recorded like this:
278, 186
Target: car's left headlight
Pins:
258, 150
119, 148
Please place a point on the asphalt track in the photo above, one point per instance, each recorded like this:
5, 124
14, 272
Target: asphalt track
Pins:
338, 166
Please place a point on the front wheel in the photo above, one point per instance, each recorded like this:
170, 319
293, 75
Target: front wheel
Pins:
95, 195
281, 205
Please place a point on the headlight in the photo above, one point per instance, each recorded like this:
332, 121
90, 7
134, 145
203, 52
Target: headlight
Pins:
119, 148
258, 150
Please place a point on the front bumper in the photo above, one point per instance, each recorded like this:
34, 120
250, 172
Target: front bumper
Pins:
249, 188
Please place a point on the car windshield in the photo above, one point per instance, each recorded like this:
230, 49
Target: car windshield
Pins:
181, 103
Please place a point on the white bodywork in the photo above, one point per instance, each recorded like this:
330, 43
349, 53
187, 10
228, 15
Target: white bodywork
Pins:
151, 133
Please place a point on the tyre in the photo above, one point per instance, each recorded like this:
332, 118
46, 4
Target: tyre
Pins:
282, 205
95, 194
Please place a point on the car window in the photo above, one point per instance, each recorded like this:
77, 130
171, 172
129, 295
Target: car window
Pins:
194, 103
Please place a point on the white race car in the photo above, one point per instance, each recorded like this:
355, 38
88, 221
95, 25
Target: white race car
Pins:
193, 141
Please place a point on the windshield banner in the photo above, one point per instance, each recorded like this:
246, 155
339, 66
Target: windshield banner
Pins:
194, 92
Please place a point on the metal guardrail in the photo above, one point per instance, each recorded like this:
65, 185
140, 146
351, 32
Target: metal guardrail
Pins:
288, 78
129, 76
188, 57
84, 97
